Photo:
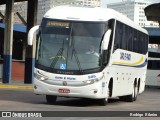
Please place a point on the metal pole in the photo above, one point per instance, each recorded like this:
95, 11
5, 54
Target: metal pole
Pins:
8, 42
30, 57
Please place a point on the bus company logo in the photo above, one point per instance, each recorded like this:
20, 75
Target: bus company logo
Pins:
64, 83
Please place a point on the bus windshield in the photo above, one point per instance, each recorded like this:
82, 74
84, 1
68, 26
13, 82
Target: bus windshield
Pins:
69, 46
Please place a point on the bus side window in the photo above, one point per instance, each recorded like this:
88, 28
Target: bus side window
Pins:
117, 40
142, 43
135, 42
124, 38
146, 38
130, 40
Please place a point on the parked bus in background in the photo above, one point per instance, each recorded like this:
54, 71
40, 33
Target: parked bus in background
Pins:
64, 67
153, 69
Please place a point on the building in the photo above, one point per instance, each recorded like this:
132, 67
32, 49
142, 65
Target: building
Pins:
2, 13
134, 9
45, 5
92, 3
20, 12
20, 8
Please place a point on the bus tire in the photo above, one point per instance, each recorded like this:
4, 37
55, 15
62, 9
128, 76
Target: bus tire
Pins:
122, 98
133, 96
103, 101
130, 98
135, 92
51, 99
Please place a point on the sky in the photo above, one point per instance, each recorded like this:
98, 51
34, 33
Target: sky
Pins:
113, 1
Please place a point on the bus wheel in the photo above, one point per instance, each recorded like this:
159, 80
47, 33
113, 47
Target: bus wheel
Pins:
103, 101
122, 98
134, 94
51, 99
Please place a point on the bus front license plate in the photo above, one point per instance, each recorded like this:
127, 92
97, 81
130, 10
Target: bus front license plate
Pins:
63, 90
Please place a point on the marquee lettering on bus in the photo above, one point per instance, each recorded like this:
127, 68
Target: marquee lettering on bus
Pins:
58, 24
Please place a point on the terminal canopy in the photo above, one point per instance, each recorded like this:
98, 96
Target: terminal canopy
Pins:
4, 1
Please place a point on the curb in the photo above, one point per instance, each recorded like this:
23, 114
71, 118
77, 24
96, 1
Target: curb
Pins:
22, 87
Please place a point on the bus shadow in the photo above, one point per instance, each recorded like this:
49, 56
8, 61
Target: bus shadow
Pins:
82, 102
29, 98
147, 87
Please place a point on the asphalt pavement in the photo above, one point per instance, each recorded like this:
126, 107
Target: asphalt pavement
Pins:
18, 96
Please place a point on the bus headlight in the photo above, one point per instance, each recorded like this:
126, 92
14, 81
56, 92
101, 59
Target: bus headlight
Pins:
93, 80
40, 77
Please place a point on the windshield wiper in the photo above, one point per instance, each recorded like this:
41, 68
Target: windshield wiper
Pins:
77, 60
74, 52
58, 55
56, 58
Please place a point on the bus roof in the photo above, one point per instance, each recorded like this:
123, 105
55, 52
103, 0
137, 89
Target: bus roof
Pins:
89, 14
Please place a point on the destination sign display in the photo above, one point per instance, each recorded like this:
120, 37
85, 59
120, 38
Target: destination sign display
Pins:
57, 24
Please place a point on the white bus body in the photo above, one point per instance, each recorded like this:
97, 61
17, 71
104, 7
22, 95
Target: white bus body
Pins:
153, 71
118, 71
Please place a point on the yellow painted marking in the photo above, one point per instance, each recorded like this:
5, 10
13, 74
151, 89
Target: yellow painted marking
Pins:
15, 87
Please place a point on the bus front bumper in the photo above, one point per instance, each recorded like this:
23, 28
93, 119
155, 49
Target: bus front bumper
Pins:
95, 91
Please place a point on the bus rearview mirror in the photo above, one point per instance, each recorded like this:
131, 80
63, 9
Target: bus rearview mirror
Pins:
31, 34
106, 39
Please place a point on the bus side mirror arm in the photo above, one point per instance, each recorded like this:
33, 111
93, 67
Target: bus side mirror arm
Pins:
31, 34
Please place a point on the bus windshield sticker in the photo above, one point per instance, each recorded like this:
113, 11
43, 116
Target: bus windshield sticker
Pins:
57, 24
63, 66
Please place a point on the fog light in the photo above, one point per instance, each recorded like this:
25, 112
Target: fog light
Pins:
95, 91
35, 87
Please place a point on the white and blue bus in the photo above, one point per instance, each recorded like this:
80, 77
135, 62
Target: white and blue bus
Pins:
64, 67
153, 69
